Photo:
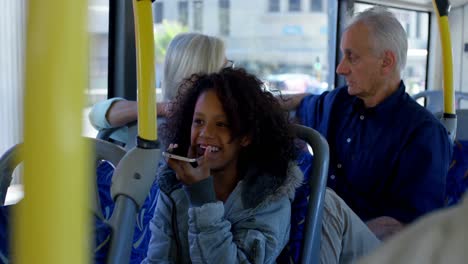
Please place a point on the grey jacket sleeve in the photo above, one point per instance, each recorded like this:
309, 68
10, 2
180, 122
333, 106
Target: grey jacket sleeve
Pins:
162, 246
258, 236
201, 192
97, 115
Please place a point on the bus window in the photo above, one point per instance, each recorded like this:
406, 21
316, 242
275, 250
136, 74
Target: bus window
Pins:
288, 44
98, 58
12, 63
416, 24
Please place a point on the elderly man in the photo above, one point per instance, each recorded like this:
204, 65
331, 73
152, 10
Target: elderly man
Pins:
389, 155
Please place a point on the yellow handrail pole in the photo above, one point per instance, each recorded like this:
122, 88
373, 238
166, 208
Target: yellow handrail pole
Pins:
449, 94
129, 192
147, 127
449, 117
52, 221
442, 8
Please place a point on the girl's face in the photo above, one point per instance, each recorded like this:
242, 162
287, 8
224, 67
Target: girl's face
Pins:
210, 127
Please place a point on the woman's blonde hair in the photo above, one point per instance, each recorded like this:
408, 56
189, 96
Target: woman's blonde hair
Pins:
187, 54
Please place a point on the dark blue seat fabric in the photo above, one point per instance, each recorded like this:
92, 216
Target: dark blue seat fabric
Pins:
102, 236
292, 251
102, 233
4, 234
142, 234
457, 177
102, 229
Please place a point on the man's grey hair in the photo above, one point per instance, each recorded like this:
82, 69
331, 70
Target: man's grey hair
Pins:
387, 31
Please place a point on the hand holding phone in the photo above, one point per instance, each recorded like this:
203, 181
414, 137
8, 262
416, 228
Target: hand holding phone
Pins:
192, 161
199, 168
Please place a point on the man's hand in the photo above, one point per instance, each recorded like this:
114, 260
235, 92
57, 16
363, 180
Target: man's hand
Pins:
384, 227
291, 102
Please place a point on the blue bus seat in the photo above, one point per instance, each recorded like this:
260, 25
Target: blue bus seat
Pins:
106, 154
458, 171
292, 251
141, 235
4, 234
434, 100
307, 207
462, 124
457, 182
457, 177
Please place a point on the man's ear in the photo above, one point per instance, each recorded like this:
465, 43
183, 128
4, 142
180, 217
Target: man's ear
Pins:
245, 141
388, 62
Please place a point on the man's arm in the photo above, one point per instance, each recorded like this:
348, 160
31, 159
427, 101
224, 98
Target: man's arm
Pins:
291, 102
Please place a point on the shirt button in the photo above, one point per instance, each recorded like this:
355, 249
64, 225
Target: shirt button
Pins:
332, 177
361, 117
348, 140
338, 165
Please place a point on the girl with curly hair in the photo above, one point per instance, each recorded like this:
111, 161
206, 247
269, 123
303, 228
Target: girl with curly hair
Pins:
235, 205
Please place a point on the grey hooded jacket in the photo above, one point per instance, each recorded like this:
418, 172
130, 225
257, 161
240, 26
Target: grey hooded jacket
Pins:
252, 226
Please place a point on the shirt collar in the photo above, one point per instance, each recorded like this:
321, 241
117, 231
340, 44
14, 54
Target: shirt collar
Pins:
389, 102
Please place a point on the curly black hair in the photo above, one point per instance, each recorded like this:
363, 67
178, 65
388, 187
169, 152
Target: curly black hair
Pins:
251, 111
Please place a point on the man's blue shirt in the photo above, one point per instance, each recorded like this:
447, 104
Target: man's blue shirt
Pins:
389, 160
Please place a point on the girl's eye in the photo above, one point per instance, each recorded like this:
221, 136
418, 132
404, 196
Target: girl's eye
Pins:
222, 124
197, 121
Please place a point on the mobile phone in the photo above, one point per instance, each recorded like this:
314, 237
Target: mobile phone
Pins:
192, 161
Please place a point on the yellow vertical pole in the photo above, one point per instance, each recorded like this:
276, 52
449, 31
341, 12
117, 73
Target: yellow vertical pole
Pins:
52, 221
449, 94
442, 9
145, 67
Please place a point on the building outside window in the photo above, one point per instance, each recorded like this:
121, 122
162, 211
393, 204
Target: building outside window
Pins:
294, 5
316, 6
418, 25
273, 6
158, 12
183, 12
198, 15
291, 51
224, 18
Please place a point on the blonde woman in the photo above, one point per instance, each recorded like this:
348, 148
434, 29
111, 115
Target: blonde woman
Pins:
187, 54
